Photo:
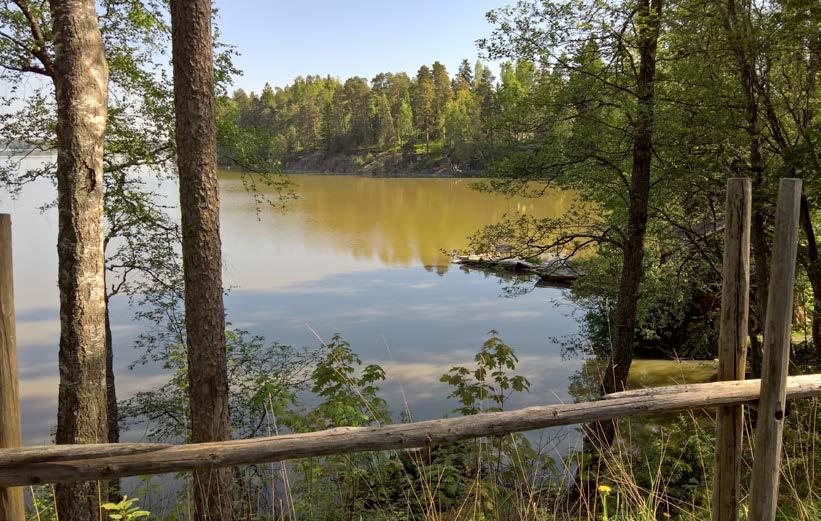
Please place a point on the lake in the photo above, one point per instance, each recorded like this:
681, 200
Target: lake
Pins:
357, 256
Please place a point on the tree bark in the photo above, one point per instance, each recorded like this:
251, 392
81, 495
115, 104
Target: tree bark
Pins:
761, 259
112, 410
201, 248
599, 436
814, 275
81, 87
740, 42
615, 377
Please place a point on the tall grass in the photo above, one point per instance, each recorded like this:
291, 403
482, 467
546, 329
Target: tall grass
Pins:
656, 470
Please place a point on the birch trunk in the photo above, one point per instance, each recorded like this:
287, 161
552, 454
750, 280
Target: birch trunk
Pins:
81, 87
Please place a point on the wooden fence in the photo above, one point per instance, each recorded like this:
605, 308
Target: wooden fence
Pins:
21, 466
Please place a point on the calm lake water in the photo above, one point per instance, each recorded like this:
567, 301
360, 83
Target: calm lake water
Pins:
361, 257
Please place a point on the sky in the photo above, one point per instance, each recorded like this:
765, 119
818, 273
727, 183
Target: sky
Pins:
279, 40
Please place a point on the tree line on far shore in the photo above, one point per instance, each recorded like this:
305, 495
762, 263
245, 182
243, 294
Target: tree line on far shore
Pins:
430, 114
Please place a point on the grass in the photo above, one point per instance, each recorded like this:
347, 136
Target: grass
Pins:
654, 471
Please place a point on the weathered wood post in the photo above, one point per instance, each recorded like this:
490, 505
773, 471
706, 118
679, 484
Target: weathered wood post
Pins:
11, 499
732, 346
777, 333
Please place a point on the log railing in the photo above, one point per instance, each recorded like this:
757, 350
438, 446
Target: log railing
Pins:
21, 466
49, 464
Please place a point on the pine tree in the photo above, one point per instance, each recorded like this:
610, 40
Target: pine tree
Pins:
192, 52
484, 91
464, 78
441, 96
423, 101
383, 122
359, 111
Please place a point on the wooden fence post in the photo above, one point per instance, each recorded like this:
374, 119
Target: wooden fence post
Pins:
11, 499
732, 346
777, 333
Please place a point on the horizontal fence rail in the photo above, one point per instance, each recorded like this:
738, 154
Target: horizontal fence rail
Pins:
64, 463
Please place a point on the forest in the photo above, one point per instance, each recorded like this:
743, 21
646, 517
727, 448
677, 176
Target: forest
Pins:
641, 109
429, 117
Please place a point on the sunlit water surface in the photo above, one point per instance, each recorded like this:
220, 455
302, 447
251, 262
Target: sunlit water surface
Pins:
361, 257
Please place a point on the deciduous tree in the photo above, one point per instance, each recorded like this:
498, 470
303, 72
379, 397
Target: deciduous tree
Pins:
80, 74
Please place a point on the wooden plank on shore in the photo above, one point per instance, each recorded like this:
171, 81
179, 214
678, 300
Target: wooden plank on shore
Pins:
11, 499
732, 346
777, 334
399, 436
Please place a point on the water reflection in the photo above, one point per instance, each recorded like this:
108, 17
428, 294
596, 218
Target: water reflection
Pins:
418, 325
362, 223
585, 384
357, 256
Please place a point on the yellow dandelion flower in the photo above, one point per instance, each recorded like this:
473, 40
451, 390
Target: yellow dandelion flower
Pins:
604, 489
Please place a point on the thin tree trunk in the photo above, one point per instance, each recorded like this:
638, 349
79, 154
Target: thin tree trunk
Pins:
201, 248
787, 152
615, 377
814, 274
739, 35
599, 436
814, 264
81, 86
761, 259
112, 411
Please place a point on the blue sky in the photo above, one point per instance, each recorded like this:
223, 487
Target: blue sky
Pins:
279, 40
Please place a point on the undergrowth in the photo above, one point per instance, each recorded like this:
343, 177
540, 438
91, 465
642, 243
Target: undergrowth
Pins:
657, 469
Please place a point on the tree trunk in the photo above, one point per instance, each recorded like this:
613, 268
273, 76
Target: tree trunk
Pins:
599, 436
814, 274
761, 260
81, 86
201, 248
112, 411
740, 43
615, 377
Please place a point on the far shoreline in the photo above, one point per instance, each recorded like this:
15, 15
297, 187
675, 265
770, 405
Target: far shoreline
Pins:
405, 175
429, 174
